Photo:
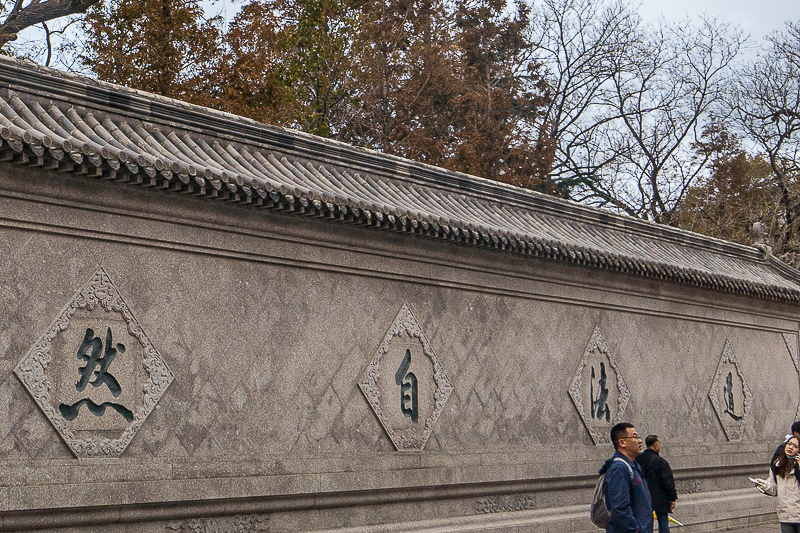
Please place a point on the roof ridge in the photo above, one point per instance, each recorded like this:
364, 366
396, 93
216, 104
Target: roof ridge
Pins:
417, 171
334, 180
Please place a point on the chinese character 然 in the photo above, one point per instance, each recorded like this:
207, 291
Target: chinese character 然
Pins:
408, 389
600, 408
728, 395
90, 351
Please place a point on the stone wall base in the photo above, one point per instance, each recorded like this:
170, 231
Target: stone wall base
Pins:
739, 509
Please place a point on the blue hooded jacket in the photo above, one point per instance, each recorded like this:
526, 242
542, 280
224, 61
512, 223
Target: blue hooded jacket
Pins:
628, 500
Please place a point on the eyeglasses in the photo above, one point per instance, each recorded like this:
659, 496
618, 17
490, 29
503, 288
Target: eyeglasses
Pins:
637, 437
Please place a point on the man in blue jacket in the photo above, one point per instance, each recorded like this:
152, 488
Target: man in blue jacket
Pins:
627, 497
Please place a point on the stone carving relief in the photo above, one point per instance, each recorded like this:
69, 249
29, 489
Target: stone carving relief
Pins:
225, 524
791, 344
405, 384
94, 372
598, 390
730, 395
506, 503
688, 486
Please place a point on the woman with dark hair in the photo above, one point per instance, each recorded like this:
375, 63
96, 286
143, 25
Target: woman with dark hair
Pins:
784, 482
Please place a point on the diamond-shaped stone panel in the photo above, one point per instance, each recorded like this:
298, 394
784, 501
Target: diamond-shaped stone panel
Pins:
124, 371
405, 383
791, 344
730, 395
598, 390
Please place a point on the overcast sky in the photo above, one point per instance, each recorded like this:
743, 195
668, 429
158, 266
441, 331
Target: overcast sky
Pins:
756, 17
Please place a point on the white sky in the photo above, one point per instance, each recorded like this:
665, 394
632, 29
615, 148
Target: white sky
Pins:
756, 17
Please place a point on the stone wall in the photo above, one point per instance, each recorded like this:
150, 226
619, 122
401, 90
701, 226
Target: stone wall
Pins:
281, 373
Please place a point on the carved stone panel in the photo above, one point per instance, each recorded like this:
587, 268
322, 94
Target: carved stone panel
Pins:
94, 372
226, 524
791, 344
598, 390
730, 395
405, 384
688, 486
506, 503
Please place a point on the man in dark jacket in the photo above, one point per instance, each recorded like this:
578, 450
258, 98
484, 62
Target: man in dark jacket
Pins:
660, 481
626, 494
795, 433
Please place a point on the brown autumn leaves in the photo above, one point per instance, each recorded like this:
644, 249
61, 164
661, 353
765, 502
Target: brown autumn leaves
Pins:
454, 88
668, 122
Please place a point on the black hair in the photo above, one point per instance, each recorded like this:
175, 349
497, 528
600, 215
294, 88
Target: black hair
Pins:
650, 440
796, 427
783, 466
619, 431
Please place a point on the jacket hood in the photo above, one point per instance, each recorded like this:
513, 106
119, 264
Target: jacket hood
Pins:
607, 464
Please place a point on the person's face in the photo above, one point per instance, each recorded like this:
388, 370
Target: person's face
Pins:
792, 446
631, 442
657, 446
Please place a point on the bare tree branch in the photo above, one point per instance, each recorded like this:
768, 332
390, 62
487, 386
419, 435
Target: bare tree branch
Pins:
37, 12
49, 44
629, 105
765, 106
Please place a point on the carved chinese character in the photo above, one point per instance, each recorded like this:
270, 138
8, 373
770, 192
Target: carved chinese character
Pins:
102, 376
730, 407
598, 390
128, 376
599, 407
90, 350
409, 403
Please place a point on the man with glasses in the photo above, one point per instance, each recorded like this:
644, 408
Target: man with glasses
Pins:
626, 494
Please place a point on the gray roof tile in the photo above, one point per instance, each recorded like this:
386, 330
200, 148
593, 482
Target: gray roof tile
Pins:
76, 124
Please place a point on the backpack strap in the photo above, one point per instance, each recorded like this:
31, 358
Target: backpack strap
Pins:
623, 461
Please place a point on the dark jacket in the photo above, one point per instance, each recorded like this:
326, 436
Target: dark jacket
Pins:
628, 500
658, 475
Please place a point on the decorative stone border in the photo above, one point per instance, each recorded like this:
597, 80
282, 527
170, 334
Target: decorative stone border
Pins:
406, 323
791, 344
733, 430
597, 343
233, 524
31, 370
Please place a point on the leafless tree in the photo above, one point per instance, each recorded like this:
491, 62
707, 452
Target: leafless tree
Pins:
665, 88
765, 105
578, 43
18, 16
629, 100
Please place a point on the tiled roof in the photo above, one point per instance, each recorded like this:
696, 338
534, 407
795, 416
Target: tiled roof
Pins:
68, 123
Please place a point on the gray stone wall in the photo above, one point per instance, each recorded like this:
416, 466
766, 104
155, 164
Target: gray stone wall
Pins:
250, 333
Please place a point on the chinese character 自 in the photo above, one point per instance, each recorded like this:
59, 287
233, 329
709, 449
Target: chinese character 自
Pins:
408, 389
